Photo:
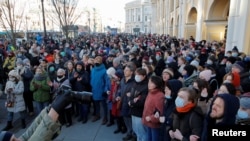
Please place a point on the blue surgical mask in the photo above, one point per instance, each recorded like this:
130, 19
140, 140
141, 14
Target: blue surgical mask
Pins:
158, 57
234, 54
242, 114
168, 97
137, 78
51, 69
179, 102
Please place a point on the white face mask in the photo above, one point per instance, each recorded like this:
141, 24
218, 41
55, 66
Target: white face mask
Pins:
45, 54
137, 78
209, 62
18, 67
12, 79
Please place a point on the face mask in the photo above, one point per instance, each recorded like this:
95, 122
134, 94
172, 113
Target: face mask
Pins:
158, 57
45, 54
62, 54
97, 64
137, 78
242, 114
228, 65
179, 102
168, 97
209, 62
78, 70
19, 54
19, 67
150, 61
228, 55
234, 54
12, 79
51, 69
59, 76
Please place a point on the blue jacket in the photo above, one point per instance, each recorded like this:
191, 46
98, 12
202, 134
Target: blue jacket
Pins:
100, 82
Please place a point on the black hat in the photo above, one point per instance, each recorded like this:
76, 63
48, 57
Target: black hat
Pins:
235, 49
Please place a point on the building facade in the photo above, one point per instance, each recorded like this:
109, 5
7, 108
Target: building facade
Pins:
204, 19
138, 16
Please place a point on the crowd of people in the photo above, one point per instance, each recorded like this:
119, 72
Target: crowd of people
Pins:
153, 87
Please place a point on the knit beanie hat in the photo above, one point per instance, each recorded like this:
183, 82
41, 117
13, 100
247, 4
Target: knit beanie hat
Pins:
245, 101
119, 73
195, 63
240, 65
111, 71
169, 72
5, 136
205, 74
19, 61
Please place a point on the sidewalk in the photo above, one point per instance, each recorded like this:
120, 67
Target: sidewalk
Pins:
91, 131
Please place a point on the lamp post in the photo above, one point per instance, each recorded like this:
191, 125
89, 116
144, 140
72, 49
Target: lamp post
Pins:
27, 27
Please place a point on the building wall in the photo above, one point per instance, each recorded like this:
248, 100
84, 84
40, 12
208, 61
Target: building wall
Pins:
138, 15
204, 19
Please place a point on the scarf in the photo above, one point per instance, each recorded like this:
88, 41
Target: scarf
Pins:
186, 108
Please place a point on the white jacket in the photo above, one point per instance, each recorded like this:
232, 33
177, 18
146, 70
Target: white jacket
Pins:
19, 104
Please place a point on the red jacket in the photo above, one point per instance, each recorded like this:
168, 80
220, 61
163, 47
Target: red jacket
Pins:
154, 102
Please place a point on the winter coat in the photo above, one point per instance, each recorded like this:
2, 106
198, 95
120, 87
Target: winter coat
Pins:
18, 90
27, 76
9, 63
125, 88
100, 82
154, 103
138, 90
189, 123
41, 94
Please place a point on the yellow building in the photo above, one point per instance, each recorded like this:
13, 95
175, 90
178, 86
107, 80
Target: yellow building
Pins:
204, 19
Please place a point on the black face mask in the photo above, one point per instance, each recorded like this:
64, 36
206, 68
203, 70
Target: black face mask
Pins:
97, 64
59, 76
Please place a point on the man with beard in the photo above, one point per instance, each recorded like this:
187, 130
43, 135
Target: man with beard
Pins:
222, 112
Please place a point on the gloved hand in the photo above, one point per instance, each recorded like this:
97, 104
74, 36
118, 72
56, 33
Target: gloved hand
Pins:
61, 101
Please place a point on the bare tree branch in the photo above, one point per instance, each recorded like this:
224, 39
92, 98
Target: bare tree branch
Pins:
66, 13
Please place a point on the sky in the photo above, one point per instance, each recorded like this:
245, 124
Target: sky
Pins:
110, 9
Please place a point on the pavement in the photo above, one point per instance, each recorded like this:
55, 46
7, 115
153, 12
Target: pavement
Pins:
90, 131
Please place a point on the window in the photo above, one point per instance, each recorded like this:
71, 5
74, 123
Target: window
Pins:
146, 18
139, 18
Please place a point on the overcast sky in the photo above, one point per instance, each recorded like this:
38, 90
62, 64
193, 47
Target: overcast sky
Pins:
110, 8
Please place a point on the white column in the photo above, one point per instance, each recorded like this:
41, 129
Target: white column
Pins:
199, 21
237, 24
182, 18
175, 19
153, 18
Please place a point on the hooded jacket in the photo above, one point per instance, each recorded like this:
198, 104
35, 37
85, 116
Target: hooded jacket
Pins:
100, 82
231, 107
80, 85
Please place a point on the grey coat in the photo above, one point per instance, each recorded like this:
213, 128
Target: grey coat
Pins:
18, 89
